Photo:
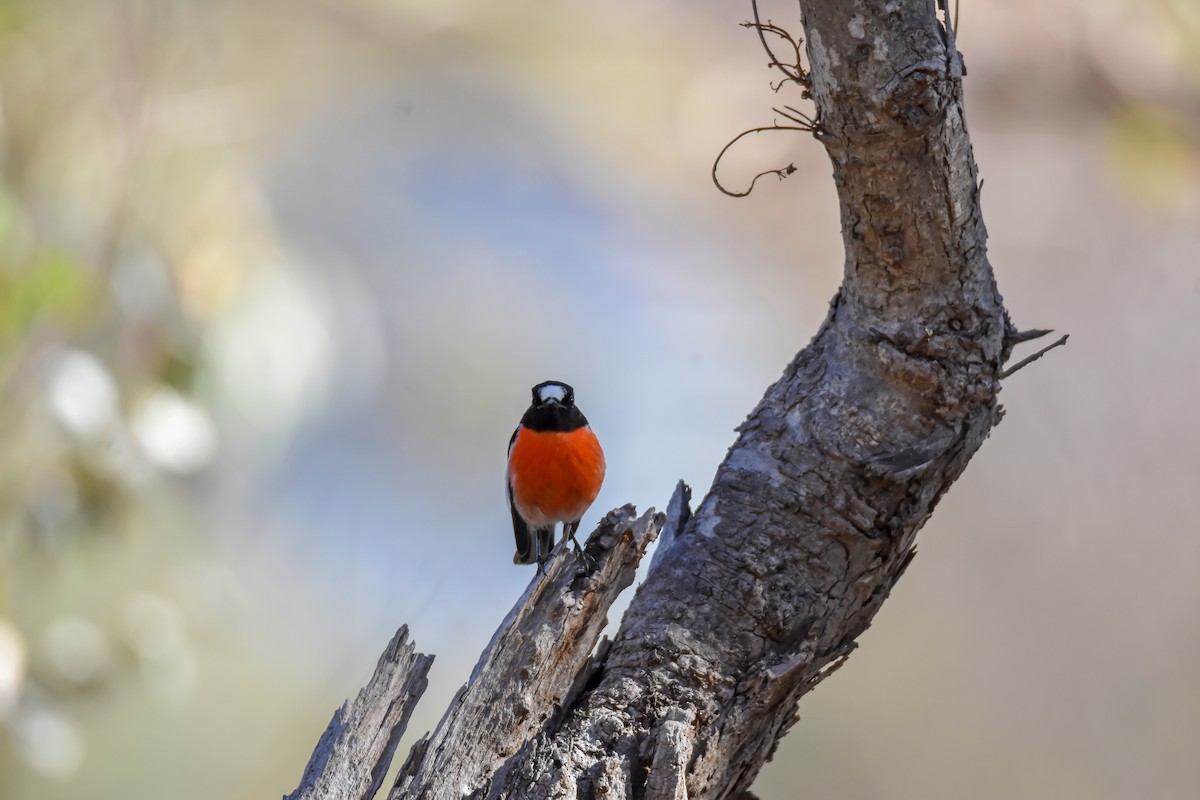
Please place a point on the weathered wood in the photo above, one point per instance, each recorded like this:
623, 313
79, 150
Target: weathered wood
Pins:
679, 511
812, 516
536, 663
355, 751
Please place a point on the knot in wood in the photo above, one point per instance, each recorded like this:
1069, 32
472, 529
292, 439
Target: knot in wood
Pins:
914, 98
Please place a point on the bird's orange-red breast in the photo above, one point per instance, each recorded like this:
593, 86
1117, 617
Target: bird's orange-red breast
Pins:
555, 470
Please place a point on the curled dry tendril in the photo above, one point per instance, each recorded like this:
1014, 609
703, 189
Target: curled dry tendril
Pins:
793, 72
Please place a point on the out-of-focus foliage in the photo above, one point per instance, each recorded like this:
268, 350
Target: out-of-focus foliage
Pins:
129, 230
275, 278
1155, 125
1154, 153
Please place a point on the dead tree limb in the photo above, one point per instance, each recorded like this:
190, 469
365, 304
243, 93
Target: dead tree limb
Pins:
356, 749
812, 515
536, 665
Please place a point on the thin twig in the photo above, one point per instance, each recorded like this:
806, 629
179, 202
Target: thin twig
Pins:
793, 72
782, 172
1029, 335
1026, 362
799, 117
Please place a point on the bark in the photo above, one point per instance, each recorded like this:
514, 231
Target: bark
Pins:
535, 665
812, 515
356, 749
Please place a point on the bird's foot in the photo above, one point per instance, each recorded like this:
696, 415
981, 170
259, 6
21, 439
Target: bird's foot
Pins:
587, 561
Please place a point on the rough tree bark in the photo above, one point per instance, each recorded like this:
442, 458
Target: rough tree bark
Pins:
354, 752
812, 516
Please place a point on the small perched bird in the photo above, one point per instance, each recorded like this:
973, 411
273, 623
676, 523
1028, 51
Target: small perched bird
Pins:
555, 469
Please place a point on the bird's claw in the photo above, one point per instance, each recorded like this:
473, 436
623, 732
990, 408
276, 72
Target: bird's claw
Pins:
587, 561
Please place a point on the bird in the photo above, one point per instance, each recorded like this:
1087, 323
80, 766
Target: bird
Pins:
555, 470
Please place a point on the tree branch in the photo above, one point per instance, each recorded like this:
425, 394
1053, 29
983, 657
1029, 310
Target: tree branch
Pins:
537, 662
813, 514
356, 749
1025, 362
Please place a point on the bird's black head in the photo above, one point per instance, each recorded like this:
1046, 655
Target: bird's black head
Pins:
553, 409
549, 392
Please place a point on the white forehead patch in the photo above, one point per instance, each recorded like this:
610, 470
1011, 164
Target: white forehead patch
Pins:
552, 391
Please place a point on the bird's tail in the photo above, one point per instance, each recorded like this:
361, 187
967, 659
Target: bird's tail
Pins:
533, 545
526, 546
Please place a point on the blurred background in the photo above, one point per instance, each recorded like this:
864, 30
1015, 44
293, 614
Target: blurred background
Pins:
275, 280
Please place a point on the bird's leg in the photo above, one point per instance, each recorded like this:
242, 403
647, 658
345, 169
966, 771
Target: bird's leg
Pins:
543, 545
569, 529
